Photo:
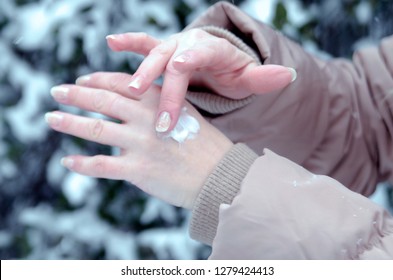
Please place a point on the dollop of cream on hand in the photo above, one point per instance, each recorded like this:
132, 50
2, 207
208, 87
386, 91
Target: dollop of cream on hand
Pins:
187, 127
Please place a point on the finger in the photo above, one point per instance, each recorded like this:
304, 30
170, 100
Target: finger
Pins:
133, 42
100, 166
177, 76
152, 67
111, 81
95, 100
96, 130
267, 78
172, 98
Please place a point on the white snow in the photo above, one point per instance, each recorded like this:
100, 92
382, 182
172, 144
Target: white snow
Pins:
5, 239
261, 10
380, 196
297, 14
54, 171
77, 188
81, 226
155, 208
26, 124
169, 243
363, 12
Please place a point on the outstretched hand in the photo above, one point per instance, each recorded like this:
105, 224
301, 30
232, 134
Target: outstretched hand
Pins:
198, 58
160, 167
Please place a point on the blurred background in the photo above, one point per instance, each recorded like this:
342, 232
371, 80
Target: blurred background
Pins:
47, 212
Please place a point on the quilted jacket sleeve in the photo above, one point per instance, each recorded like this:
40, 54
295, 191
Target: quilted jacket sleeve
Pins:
284, 211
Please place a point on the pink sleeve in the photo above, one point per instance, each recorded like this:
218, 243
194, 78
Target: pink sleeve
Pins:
286, 212
335, 119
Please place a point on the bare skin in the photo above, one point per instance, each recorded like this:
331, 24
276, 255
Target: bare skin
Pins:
160, 167
198, 58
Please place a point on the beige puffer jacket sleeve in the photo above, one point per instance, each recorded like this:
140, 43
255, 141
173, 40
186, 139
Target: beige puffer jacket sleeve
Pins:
285, 212
335, 120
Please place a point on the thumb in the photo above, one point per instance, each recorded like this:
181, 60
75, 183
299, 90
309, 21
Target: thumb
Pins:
267, 78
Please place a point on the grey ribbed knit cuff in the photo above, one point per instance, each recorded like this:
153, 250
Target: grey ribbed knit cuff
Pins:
221, 187
217, 104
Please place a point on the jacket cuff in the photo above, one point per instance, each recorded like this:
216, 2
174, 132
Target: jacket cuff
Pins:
221, 187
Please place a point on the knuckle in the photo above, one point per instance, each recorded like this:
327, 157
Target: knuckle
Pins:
99, 100
171, 103
145, 42
113, 84
96, 128
170, 68
116, 82
115, 106
99, 166
144, 38
170, 99
197, 33
73, 94
160, 50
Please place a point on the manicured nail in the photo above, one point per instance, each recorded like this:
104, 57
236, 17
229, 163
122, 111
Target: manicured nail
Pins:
293, 73
82, 80
112, 36
67, 162
181, 58
59, 92
53, 119
163, 122
135, 83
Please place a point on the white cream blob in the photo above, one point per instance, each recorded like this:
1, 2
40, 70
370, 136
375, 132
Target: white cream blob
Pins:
187, 127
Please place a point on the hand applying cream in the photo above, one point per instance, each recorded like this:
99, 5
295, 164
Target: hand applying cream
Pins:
187, 127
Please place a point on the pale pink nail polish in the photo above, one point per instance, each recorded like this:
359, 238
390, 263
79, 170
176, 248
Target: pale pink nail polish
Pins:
293, 73
135, 83
112, 37
67, 162
59, 92
82, 80
163, 122
53, 119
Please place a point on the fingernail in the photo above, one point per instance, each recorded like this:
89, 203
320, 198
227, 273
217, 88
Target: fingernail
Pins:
82, 80
293, 73
112, 36
53, 119
181, 58
59, 92
67, 162
163, 122
135, 83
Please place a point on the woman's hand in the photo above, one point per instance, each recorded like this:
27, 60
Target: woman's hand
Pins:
163, 168
198, 58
